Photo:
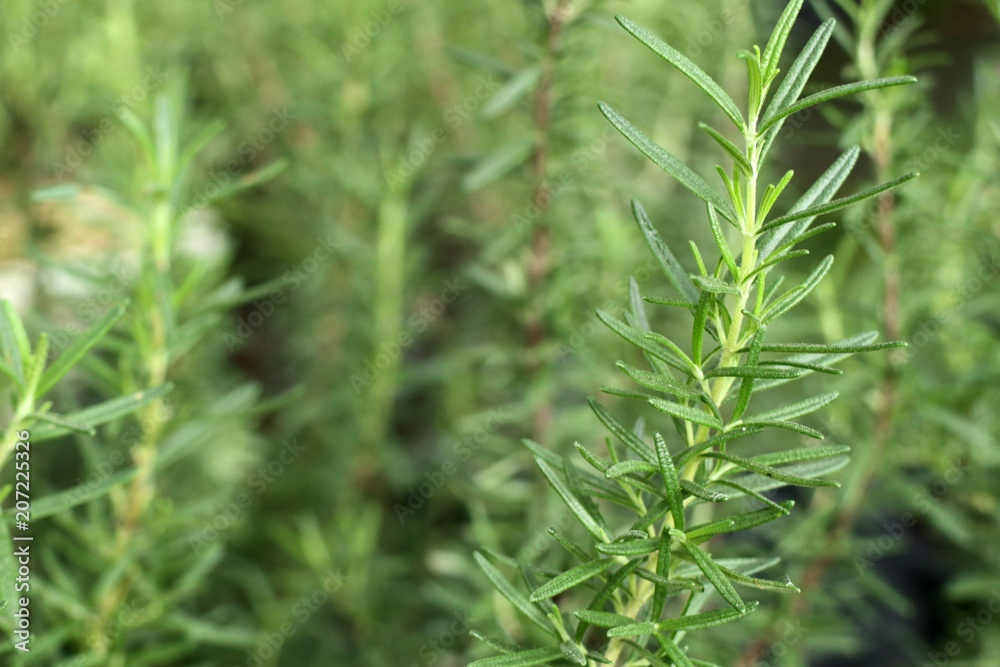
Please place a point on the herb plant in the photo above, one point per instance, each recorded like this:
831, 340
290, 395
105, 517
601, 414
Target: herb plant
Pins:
652, 578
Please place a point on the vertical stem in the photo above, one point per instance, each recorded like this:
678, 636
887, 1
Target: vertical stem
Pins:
539, 262
389, 287
156, 299
720, 386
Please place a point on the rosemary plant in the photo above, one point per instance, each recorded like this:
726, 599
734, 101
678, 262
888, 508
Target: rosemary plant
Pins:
654, 579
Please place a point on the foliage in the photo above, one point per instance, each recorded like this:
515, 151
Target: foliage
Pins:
638, 565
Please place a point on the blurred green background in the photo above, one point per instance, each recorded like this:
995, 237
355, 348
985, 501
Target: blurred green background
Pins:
451, 212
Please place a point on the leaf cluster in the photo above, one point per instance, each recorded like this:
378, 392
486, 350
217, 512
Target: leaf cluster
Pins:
645, 585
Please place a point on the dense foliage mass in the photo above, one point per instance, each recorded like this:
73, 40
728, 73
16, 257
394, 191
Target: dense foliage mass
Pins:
287, 284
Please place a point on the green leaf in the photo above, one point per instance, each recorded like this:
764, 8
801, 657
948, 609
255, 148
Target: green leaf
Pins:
56, 420
771, 195
571, 578
602, 619
680, 660
518, 86
687, 68
758, 372
707, 619
822, 359
671, 481
641, 340
804, 454
775, 45
805, 469
722, 242
573, 653
821, 192
139, 132
699, 491
668, 162
572, 502
753, 494
798, 75
675, 273
778, 474
729, 147
741, 565
755, 78
568, 544
787, 426
837, 204
14, 339
738, 522
663, 301
682, 362
718, 440
792, 297
594, 460
663, 569
613, 583
630, 547
658, 382
698, 327
56, 503
817, 368
498, 164
538, 656
498, 646
796, 409
774, 260
629, 467
762, 584
622, 432
103, 412
11, 375
686, 413
632, 630
840, 347
514, 596
714, 285
712, 572
832, 94
79, 347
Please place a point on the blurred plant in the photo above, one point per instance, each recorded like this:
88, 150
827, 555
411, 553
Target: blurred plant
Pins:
30, 420
659, 555
146, 563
